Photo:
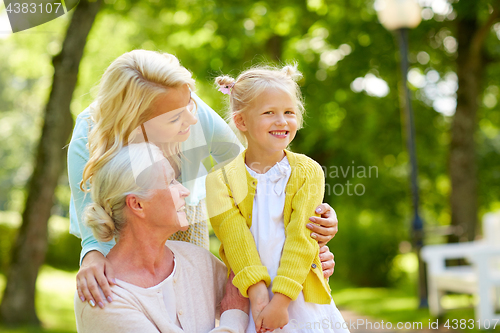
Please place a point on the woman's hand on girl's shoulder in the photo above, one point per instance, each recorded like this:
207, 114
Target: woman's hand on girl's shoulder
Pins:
95, 272
325, 227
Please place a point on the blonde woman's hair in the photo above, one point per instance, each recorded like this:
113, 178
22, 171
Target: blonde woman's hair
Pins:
253, 82
114, 181
126, 91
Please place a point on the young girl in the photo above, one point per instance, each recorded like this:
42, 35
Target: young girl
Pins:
256, 203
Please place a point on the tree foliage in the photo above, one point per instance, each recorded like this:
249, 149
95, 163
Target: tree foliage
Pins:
350, 86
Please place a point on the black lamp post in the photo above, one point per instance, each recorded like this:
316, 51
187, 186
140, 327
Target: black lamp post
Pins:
400, 16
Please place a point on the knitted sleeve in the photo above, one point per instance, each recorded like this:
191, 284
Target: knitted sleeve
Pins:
300, 249
238, 249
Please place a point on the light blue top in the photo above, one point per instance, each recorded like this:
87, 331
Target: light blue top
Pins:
209, 136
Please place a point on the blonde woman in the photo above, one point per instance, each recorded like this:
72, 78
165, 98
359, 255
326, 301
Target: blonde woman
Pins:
160, 286
148, 96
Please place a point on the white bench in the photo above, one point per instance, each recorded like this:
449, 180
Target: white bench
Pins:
481, 278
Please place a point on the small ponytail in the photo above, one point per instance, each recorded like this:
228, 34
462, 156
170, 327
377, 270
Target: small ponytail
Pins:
224, 80
292, 72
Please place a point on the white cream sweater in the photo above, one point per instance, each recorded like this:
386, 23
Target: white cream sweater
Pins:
199, 282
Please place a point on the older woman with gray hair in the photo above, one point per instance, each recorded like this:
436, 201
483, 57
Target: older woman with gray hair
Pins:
149, 95
161, 286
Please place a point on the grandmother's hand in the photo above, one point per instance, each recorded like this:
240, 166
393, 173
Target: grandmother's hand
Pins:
328, 224
95, 272
233, 298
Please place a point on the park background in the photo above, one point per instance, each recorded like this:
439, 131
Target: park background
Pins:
351, 87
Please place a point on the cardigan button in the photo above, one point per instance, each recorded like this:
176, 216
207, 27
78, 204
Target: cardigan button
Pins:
180, 312
313, 265
249, 216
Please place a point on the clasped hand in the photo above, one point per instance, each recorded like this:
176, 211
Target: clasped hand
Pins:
268, 315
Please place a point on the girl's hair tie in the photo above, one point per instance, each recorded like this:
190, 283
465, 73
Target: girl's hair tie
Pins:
226, 88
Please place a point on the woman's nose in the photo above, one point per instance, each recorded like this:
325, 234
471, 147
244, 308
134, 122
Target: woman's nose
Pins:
184, 192
190, 118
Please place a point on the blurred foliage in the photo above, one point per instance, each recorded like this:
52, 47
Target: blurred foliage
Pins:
336, 44
63, 248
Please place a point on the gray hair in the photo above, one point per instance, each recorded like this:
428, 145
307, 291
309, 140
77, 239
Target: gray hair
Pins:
128, 172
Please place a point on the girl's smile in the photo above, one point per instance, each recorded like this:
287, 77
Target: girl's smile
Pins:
279, 134
269, 124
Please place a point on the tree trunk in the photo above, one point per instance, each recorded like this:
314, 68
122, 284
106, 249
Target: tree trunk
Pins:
462, 161
28, 254
274, 47
463, 169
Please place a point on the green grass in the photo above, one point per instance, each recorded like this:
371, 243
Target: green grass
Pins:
55, 291
400, 305
54, 302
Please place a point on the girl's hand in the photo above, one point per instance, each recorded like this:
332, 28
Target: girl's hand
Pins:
328, 224
95, 272
274, 315
259, 299
327, 261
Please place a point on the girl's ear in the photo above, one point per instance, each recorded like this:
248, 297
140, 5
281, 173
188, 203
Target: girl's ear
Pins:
135, 205
239, 121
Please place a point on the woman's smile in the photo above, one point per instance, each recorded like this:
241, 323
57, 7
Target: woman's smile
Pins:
185, 131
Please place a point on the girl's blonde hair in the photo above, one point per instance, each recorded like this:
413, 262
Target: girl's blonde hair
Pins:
253, 82
126, 91
111, 185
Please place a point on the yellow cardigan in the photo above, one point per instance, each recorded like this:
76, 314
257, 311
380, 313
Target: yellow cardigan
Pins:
229, 204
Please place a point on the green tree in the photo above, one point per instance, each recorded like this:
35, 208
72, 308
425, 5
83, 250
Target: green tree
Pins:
350, 85
18, 302
336, 44
472, 28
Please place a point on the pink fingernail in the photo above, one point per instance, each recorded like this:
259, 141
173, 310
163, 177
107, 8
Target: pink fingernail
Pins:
82, 298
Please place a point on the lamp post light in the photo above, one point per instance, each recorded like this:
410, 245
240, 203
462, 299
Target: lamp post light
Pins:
400, 16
